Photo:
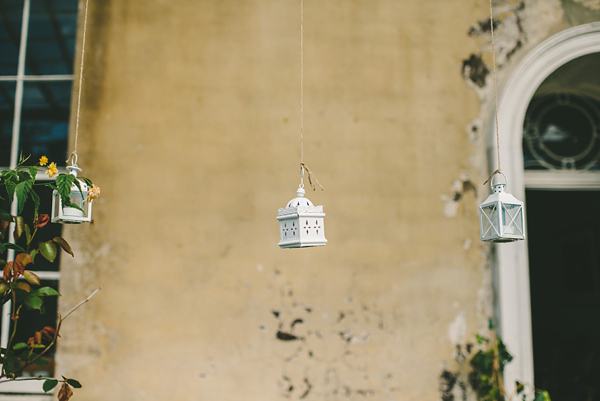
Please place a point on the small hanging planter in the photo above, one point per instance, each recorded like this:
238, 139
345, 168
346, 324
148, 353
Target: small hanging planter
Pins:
501, 215
301, 224
76, 208
72, 198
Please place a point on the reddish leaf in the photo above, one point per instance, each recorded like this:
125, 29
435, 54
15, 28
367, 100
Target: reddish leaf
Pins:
42, 220
31, 277
64, 245
7, 271
49, 332
17, 268
4, 227
24, 286
24, 259
65, 392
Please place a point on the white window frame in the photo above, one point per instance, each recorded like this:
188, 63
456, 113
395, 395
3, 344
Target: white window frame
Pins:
513, 308
33, 387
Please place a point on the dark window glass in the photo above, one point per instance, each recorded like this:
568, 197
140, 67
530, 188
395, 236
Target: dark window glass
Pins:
564, 268
7, 100
51, 37
45, 120
11, 15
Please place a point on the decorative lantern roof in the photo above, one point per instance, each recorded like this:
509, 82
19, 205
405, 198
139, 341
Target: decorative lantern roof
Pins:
301, 223
501, 215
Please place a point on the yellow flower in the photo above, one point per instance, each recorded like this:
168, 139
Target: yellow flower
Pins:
43, 160
52, 170
93, 193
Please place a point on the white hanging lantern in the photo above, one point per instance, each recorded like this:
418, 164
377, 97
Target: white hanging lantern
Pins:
71, 215
301, 223
501, 215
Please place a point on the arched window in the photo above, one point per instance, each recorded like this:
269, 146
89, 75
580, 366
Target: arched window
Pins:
550, 149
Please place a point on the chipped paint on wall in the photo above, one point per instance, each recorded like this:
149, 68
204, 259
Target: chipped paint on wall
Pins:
323, 350
459, 188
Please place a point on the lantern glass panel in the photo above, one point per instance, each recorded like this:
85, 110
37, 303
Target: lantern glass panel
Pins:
489, 219
512, 219
75, 198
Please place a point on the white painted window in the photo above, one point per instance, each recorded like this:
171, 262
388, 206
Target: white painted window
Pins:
555, 170
37, 43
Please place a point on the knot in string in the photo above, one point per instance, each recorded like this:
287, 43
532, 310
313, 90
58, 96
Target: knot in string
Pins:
312, 180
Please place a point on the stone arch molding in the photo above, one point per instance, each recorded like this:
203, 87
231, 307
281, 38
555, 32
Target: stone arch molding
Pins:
513, 307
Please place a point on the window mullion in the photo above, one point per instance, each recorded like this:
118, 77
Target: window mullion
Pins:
14, 152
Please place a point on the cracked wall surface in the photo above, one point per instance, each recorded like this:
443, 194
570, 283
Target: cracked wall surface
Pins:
190, 124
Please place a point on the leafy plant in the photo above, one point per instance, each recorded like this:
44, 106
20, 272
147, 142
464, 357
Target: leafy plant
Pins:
486, 377
19, 284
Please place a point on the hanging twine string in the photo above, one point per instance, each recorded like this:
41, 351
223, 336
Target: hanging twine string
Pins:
498, 170
311, 177
301, 82
85, 19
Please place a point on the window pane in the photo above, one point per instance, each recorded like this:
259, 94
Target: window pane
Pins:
45, 120
562, 125
11, 15
7, 100
51, 37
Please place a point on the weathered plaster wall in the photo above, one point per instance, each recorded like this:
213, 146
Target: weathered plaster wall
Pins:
190, 124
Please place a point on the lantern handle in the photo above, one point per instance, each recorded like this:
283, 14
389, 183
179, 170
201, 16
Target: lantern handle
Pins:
494, 175
73, 159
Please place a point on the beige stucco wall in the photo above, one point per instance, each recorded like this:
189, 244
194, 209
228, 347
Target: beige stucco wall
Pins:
190, 125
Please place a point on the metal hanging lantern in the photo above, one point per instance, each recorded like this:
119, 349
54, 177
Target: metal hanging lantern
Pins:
501, 215
68, 214
301, 224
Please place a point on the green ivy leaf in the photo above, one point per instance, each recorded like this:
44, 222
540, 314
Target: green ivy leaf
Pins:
13, 246
23, 175
48, 250
64, 182
34, 302
49, 384
74, 383
19, 346
33, 171
45, 292
87, 181
23, 189
10, 182
5, 216
33, 254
